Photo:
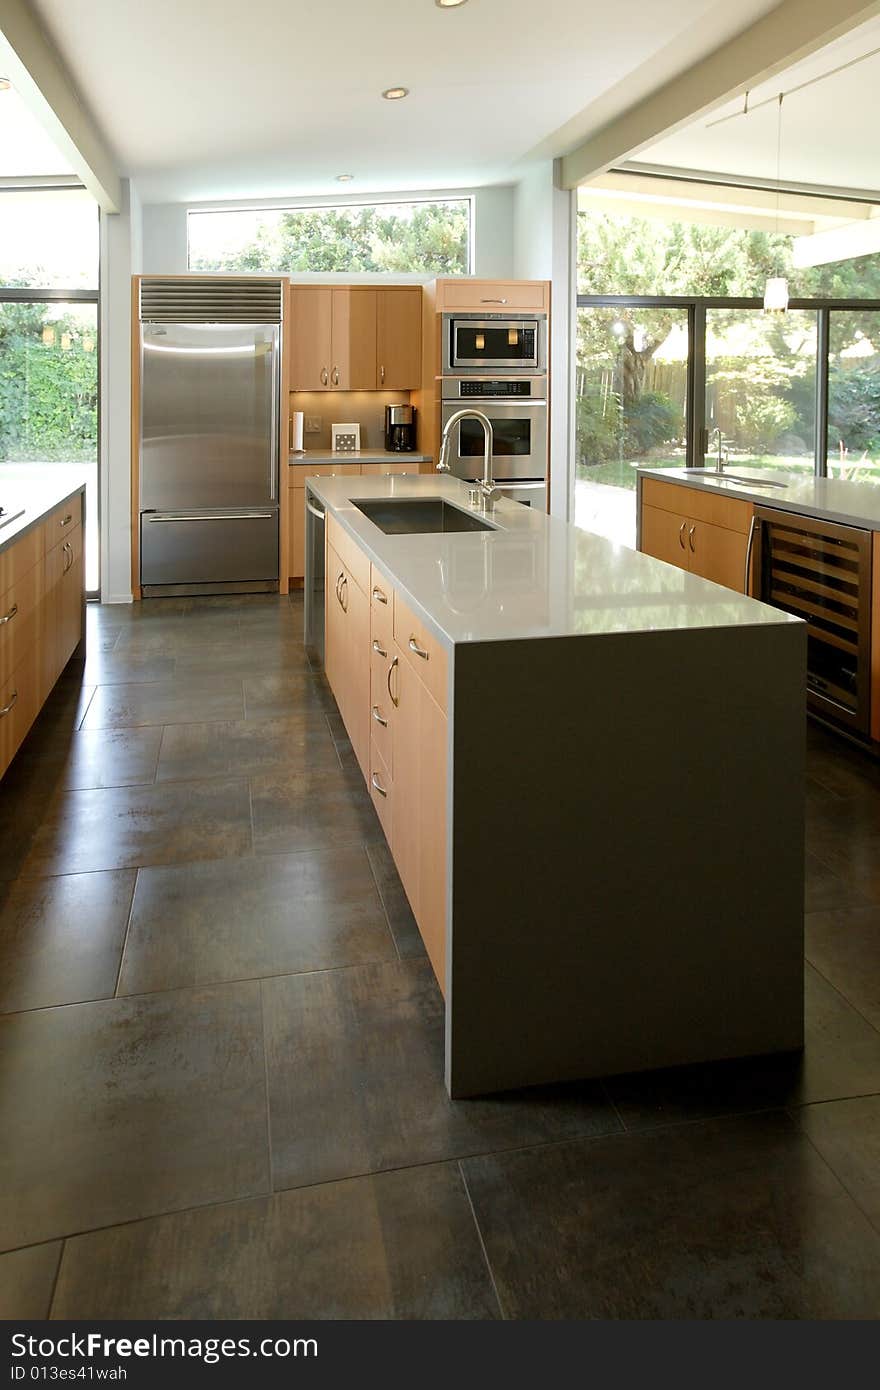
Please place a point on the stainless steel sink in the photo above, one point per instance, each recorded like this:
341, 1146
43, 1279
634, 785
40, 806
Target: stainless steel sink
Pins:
6, 518
405, 516
709, 475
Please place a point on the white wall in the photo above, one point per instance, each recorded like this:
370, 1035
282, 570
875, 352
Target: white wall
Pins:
120, 259
165, 228
543, 242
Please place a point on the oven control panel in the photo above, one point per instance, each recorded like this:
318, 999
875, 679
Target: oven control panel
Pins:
488, 389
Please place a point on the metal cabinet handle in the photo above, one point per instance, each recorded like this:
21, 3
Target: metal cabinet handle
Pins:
343, 599
378, 717
378, 648
691, 538
339, 578
325, 377
681, 531
395, 701
7, 617
335, 376
374, 779
67, 520
379, 596
382, 375
419, 651
7, 708
493, 301
747, 581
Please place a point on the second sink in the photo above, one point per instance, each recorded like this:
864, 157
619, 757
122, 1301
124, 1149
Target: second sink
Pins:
406, 516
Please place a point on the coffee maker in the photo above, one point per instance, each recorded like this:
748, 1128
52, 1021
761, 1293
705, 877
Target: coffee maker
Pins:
400, 428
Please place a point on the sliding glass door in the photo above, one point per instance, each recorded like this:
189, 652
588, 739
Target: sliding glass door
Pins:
853, 447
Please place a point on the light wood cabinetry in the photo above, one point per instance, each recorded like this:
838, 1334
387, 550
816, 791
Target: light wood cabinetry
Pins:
495, 296
355, 338
42, 596
393, 713
704, 534
296, 511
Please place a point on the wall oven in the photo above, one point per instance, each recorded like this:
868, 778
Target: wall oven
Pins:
821, 572
517, 409
503, 342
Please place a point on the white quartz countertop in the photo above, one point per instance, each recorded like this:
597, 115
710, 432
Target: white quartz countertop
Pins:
356, 456
531, 576
830, 499
34, 490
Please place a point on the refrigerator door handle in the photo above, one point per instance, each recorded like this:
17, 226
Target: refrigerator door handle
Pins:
154, 517
275, 444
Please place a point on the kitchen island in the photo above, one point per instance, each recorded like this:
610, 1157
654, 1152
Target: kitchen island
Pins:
589, 768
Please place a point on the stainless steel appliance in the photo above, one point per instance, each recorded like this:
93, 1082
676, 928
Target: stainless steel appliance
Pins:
314, 576
821, 572
400, 428
209, 446
504, 342
517, 410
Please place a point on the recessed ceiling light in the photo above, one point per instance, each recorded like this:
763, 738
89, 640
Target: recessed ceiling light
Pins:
395, 93
449, 4
5, 84
344, 178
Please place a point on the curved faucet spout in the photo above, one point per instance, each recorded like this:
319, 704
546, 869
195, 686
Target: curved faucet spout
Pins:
487, 483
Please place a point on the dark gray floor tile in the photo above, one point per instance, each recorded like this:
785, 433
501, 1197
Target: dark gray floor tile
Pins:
844, 945
824, 889
232, 919
838, 766
841, 1058
247, 656
130, 1107
173, 634
311, 809
372, 1039
61, 938
124, 827
165, 702
847, 1135
27, 1278
95, 758
734, 1218
397, 1246
404, 928
127, 668
277, 696
245, 748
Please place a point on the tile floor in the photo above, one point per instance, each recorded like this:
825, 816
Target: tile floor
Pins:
221, 1044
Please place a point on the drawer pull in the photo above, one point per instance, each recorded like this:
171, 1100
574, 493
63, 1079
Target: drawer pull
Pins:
324, 376
7, 617
681, 531
395, 702
374, 778
378, 648
7, 708
493, 301
68, 548
378, 717
67, 520
343, 591
419, 651
378, 595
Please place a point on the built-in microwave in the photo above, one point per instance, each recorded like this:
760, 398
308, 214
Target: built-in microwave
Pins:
504, 342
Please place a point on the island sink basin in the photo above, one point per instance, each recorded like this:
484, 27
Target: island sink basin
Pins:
423, 516
709, 475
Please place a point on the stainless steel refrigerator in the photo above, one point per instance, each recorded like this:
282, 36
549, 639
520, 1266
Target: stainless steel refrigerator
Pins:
209, 445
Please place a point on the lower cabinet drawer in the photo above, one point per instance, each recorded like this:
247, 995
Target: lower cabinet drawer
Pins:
381, 789
20, 700
20, 620
422, 649
380, 711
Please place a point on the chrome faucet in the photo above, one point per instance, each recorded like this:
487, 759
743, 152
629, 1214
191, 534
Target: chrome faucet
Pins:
723, 457
486, 485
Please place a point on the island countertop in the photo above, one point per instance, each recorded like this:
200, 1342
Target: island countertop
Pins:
35, 493
532, 575
830, 499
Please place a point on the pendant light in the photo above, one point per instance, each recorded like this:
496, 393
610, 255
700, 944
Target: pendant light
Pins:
776, 288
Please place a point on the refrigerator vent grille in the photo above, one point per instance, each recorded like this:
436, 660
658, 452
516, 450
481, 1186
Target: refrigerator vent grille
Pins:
211, 301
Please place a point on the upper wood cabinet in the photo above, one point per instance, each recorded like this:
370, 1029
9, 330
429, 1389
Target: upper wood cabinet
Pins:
493, 296
355, 338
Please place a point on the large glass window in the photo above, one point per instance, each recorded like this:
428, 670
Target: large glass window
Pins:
431, 237
854, 394
49, 250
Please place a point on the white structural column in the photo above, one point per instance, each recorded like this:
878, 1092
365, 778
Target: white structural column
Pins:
791, 31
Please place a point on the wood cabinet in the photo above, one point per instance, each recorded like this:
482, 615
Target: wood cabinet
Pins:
296, 509
703, 533
386, 692
355, 338
41, 618
493, 296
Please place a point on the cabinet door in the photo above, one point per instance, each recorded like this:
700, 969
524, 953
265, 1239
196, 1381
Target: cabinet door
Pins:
664, 535
432, 834
310, 332
70, 597
718, 554
399, 340
50, 619
296, 522
353, 365
357, 712
407, 762
334, 628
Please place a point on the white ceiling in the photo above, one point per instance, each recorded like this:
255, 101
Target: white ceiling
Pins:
829, 130
25, 148
213, 99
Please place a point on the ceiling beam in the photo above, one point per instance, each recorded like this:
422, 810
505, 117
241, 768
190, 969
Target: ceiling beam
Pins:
838, 244
33, 66
688, 193
790, 32
712, 215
